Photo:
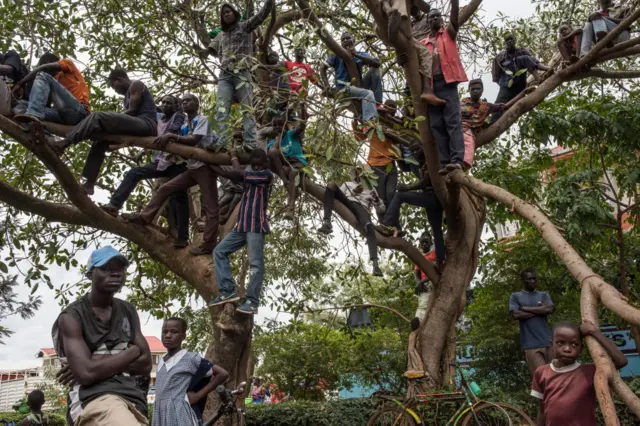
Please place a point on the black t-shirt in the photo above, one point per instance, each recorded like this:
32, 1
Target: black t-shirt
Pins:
20, 71
102, 338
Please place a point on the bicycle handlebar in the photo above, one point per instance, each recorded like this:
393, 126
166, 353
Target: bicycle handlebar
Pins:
223, 393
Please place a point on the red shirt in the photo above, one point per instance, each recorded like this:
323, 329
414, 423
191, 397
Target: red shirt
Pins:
450, 62
567, 394
298, 73
431, 256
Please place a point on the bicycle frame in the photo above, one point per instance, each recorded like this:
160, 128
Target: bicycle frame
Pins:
465, 393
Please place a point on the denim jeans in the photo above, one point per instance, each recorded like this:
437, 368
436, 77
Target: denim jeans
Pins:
431, 204
446, 123
372, 80
179, 202
67, 109
590, 30
228, 90
369, 111
233, 242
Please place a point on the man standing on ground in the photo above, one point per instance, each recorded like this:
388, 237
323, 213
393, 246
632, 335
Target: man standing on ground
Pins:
99, 337
138, 119
531, 308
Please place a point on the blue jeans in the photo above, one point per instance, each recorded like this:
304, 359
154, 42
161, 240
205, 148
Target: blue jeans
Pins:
67, 109
599, 26
372, 80
369, 111
228, 89
233, 242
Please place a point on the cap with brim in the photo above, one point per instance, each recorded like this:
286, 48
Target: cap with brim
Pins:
103, 255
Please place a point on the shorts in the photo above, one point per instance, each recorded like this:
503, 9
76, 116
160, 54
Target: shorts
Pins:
537, 357
469, 147
110, 410
295, 163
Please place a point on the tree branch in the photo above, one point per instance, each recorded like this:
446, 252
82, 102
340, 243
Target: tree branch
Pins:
600, 73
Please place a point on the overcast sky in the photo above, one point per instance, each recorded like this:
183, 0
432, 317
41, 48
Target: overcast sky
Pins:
31, 335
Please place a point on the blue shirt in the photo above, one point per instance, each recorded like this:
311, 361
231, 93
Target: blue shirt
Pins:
290, 147
342, 73
252, 216
534, 332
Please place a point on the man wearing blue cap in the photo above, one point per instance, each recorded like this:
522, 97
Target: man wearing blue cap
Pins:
96, 328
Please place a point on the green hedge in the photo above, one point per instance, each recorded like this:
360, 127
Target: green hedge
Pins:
54, 419
345, 412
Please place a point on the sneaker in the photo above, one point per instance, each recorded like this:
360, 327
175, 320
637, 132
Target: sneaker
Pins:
224, 298
326, 227
376, 271
248, 308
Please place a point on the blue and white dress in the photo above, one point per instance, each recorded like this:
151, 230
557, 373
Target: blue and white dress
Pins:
173, 380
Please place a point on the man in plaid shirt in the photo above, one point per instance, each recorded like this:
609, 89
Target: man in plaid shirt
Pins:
235, 50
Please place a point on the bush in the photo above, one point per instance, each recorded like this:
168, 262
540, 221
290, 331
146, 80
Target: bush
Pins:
345, 412
54, 419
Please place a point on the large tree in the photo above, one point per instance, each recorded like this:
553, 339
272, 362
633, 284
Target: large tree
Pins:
165, 43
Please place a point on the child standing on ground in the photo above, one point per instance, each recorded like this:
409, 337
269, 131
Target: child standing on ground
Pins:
35, 401
184, 379
565, 388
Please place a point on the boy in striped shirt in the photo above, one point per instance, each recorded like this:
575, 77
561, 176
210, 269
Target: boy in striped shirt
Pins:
251, 228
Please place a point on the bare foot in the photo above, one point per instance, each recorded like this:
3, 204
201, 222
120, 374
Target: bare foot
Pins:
433, 100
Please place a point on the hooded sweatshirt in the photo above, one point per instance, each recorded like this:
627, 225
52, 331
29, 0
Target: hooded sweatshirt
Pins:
236, 40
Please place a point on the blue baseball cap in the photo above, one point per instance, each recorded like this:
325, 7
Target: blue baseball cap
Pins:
103, 255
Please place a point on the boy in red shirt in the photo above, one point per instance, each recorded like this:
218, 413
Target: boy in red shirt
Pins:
299, 72
564, 387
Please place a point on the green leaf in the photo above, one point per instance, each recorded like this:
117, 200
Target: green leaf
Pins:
4, 268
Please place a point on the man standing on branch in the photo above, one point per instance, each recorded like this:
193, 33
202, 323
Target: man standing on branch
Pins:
371, 90
195, 132
138, 119
235, 50
531, 308
447, 69
99, 339
250, 230
475, 111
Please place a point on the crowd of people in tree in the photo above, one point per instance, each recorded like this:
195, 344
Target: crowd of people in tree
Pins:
98, 325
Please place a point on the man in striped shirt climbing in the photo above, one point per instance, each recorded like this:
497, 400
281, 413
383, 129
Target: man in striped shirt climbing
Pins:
251, 228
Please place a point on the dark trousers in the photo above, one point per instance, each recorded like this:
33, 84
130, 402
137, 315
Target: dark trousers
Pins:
507, 93
387, 182
111, 123
178, 203
207, 179
359, 211
446, 123
431, 204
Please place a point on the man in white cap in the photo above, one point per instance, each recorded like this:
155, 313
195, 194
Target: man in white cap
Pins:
99, 339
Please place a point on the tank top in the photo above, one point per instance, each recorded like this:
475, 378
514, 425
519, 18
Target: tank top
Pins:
102, 338
147, 109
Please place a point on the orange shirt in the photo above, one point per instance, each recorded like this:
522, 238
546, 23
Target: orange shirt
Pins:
381, 153
73, 81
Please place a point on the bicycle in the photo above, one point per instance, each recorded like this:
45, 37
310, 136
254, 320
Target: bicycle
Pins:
472, 411
228, 406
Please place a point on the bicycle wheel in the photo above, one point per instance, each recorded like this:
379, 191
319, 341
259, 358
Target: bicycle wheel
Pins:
391, 416
497, 414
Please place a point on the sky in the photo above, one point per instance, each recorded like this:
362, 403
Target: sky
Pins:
30, 335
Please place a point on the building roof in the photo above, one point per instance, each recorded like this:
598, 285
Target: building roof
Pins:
155, 345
